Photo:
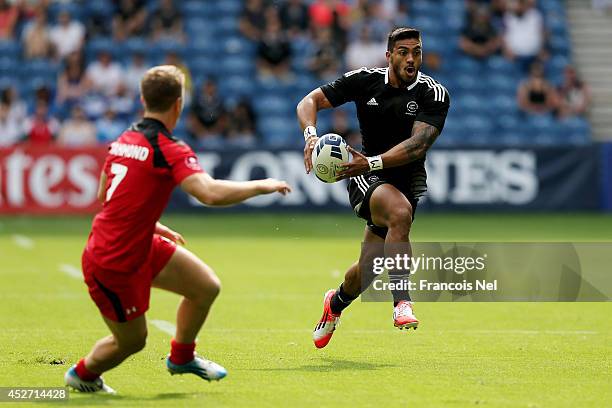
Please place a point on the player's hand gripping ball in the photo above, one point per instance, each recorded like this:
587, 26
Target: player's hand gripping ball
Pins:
329, 152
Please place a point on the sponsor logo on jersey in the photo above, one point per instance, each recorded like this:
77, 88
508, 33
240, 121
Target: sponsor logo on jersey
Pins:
372, 102
129, 151
192, 163
411, 108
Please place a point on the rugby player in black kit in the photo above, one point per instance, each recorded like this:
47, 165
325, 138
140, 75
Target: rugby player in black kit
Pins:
401, 112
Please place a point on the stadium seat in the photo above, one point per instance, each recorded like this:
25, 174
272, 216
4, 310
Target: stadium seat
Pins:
277, 131
195, 8
201, 29
239, 45
236, 86
229, 7
10, 49
273, 105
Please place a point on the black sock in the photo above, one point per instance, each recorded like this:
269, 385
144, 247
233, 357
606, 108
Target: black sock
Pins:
399, 294
340, 301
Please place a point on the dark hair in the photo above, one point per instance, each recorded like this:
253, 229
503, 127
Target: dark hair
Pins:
402, 33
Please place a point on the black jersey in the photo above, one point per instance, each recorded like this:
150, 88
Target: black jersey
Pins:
386, 114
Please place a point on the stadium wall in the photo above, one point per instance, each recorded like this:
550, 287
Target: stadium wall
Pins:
51, 180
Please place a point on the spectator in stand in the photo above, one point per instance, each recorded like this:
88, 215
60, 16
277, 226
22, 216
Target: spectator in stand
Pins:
252, 21
67, 36
334, 14
524, 36
104, 76
325, 63
274, 50
123, 102
340, 125
109, 127
70, 84
294, 18
208, 115
172, 58
77, 131
365, 51
17, 108
11, 130
130, 19
41, 128
167, 23
374, 18
574, 95
9, 15
479, 38
135, 71
36, 37
536, 95
241, 124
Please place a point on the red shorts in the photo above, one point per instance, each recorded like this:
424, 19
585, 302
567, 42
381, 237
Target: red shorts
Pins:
123, 296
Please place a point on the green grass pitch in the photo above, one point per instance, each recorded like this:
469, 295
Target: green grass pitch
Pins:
275, 270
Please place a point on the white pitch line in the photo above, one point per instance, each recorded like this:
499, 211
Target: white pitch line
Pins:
71, 271
23, 242
164, 326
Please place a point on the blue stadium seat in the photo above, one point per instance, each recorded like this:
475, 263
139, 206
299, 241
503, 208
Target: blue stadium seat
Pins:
576, 130
238, 45
135, 45
478, 129
10, 49
273, 105
503, 84
198, 28
8, 66
236, 86
237, 65
195, 8
203, 66
101, 8
278, 131
226, 25
229, 7
77, 12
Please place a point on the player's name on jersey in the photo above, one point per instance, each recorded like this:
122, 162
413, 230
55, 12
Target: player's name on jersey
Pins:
129, 151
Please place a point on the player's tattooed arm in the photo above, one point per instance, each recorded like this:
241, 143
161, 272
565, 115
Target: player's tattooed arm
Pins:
414, 148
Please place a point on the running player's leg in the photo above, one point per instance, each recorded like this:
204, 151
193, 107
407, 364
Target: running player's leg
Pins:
186, 275
354, 283
390, 208
127, 338
335, 301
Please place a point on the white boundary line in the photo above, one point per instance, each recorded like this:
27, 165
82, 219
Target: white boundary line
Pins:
22, 241
164, 326
70, 270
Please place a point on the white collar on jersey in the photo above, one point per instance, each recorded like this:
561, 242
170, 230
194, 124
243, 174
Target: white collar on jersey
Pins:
416, 81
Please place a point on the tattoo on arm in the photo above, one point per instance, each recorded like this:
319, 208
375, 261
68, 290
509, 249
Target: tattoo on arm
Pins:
423, 136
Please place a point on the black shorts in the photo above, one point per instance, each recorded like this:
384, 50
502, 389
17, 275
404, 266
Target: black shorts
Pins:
360, 190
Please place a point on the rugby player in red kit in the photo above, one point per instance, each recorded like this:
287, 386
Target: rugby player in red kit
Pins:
129, 251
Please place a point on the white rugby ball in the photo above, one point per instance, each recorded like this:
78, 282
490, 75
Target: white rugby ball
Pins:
329, 152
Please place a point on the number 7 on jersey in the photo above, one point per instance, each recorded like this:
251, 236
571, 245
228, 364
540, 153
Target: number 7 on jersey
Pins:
119, 172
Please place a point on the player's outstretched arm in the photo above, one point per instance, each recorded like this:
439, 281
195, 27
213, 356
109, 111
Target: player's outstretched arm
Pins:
213, 192
307, 117
414, 148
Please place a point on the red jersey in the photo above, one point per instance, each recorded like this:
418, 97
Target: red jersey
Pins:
142, 167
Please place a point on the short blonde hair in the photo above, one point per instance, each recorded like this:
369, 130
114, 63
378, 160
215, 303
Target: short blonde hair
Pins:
161, 86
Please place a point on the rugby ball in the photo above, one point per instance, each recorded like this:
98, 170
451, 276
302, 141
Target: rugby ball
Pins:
329, 152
